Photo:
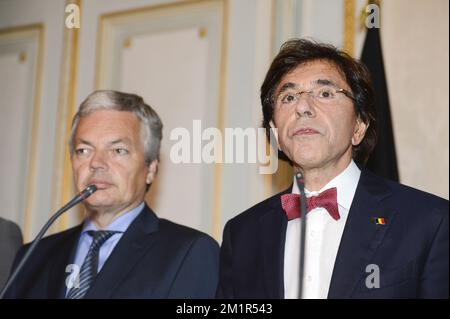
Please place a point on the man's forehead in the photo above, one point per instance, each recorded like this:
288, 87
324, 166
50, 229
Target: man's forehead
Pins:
313, 83
313, 73
108, 126
109, 140
315, 69
108, 120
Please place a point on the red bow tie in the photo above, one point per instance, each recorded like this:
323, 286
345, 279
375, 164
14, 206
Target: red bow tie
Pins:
327, 199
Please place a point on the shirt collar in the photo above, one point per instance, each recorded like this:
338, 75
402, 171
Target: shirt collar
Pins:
119, 224
345, 183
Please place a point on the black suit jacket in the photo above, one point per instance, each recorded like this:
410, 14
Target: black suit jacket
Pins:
10, 242
411, 249
155, 258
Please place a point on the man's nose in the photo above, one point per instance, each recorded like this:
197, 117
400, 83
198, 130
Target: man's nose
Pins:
305, 106
98, 161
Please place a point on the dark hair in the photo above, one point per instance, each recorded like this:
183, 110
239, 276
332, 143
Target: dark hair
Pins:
299, 51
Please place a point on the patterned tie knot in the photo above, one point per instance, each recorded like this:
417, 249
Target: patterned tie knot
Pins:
99, 237
312, 202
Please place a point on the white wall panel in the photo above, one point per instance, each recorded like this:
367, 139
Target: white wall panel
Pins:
37, 203
171, 56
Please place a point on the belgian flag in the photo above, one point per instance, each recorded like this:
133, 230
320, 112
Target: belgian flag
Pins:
383, 160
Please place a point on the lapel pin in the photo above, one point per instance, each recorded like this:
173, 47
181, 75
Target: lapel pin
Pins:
380, 221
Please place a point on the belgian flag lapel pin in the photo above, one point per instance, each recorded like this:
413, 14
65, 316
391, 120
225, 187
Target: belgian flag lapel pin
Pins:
380, 221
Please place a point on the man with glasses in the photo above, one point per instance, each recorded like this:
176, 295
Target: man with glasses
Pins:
365, 237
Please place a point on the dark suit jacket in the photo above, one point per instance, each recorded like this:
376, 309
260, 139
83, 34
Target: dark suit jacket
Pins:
10, 242
411, 249
155, 258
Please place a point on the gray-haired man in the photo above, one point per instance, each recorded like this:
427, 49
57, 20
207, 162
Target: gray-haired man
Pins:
121, 250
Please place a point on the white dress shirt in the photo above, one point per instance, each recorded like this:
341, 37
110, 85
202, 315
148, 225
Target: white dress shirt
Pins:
323, 236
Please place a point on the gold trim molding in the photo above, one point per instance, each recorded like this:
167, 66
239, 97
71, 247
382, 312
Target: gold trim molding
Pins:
349, 26
39, 30
63, 182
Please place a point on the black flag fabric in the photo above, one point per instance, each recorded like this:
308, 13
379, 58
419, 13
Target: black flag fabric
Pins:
383, 160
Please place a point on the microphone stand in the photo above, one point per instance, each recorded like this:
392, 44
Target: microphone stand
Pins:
301, 187
80, 197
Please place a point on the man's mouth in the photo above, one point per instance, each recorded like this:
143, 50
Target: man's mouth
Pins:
305, 131
101, 184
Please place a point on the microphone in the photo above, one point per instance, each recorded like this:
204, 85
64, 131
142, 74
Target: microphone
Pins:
88, 191
301, 187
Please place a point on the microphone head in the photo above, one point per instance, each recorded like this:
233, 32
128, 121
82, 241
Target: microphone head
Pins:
91, 189
300, 181
88, 191
299, 177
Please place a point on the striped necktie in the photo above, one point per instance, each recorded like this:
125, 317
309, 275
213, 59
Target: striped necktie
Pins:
90, 265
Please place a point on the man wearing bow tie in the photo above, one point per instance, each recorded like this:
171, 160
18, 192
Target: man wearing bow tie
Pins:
366, 237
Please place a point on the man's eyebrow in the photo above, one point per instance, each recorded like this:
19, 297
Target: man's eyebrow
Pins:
324, 82
124, 140
318, 82
117, 141
81, 141
285, 87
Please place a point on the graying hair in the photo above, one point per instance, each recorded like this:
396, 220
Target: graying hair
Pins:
113, 100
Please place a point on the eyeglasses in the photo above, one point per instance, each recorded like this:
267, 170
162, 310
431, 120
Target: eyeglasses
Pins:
321, 95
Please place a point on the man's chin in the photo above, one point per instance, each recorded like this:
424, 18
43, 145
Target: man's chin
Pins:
307, 162
97, 201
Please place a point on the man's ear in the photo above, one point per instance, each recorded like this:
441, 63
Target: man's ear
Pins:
275, 132
360, 131
152, 169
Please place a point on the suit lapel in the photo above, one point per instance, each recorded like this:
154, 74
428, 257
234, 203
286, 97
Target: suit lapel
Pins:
273, 224
63, 257
137, 239
361, 236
